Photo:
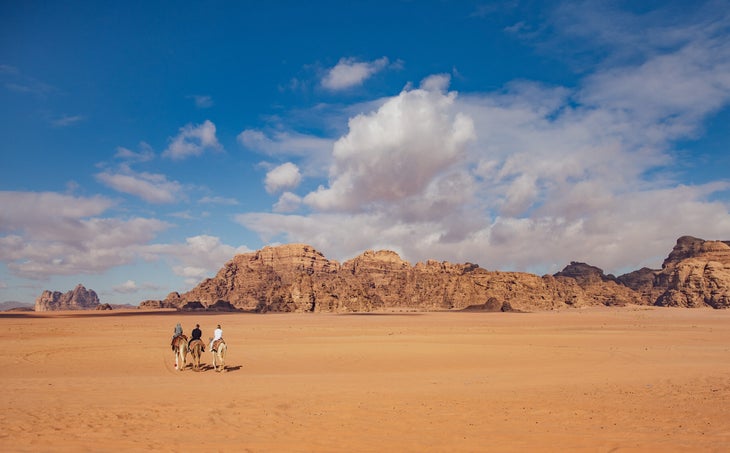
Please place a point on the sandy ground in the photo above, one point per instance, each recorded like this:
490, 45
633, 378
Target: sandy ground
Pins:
630, 379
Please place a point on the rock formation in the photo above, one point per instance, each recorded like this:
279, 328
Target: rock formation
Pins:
298, 278
696, 274
78, 299
600, 288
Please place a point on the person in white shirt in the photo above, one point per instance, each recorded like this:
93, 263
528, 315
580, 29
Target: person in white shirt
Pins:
217, 335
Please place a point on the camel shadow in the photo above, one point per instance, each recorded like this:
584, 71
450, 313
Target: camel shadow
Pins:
209, 367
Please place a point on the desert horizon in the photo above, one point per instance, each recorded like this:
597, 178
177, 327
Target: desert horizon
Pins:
461, 226
597, 379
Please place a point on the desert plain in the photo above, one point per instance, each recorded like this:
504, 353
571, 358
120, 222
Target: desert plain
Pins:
598, 379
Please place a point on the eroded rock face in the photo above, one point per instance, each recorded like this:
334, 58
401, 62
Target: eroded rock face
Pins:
697, 274
78, 299
599, 287
585, 274
649, 283
155, 305
298, 278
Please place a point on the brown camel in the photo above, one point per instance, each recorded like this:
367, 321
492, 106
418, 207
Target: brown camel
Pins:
196, 347
180, 348
219, 355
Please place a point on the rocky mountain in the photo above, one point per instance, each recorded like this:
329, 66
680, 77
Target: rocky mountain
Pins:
696, 274
13, 305
599, 288
77, 299
298, 278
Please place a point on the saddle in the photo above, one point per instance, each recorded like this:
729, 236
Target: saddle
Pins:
216, 343
176, 341
197, 340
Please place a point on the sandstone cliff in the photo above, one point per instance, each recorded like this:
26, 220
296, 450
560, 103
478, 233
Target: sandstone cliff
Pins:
78, 299
600, 288
696, 274
298, 278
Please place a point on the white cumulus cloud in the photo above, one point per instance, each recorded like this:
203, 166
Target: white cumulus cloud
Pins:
531, 176
128, 287
193, 140
151, 187
349, 72
283, 177
199, 257
288, 202
285, 143
145, 154
53, 234
395, 152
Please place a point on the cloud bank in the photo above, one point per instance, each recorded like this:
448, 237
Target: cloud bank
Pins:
52, 234
532, 176
46, 233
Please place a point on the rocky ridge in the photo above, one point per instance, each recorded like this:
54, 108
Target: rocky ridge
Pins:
77, 299
696, 274
298, 278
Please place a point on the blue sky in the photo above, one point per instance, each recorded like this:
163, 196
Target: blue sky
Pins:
146, 143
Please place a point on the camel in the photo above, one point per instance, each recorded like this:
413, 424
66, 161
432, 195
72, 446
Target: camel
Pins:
180, 348
196, 347
219, 355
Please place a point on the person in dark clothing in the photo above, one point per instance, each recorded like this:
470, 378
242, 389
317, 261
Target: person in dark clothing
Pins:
196, 333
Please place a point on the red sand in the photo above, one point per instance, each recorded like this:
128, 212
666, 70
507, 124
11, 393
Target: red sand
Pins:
629, 379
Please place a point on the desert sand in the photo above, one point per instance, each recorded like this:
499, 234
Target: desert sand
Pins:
620, 379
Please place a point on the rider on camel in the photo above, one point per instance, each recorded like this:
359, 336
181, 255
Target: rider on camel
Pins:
217, 335
195, 334
178, 331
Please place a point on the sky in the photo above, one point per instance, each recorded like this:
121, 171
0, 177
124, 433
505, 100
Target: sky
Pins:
144, 143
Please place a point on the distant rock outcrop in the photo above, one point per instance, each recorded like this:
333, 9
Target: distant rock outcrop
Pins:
298, 278
15, 305
601, 288
696, 274
491, 305
78, 299
646, 282
156, 305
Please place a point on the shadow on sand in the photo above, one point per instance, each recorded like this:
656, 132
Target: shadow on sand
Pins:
209, 367
381, 314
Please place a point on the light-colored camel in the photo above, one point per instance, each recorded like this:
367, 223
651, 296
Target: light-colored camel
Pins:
180, 348
219, 356
196, 348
